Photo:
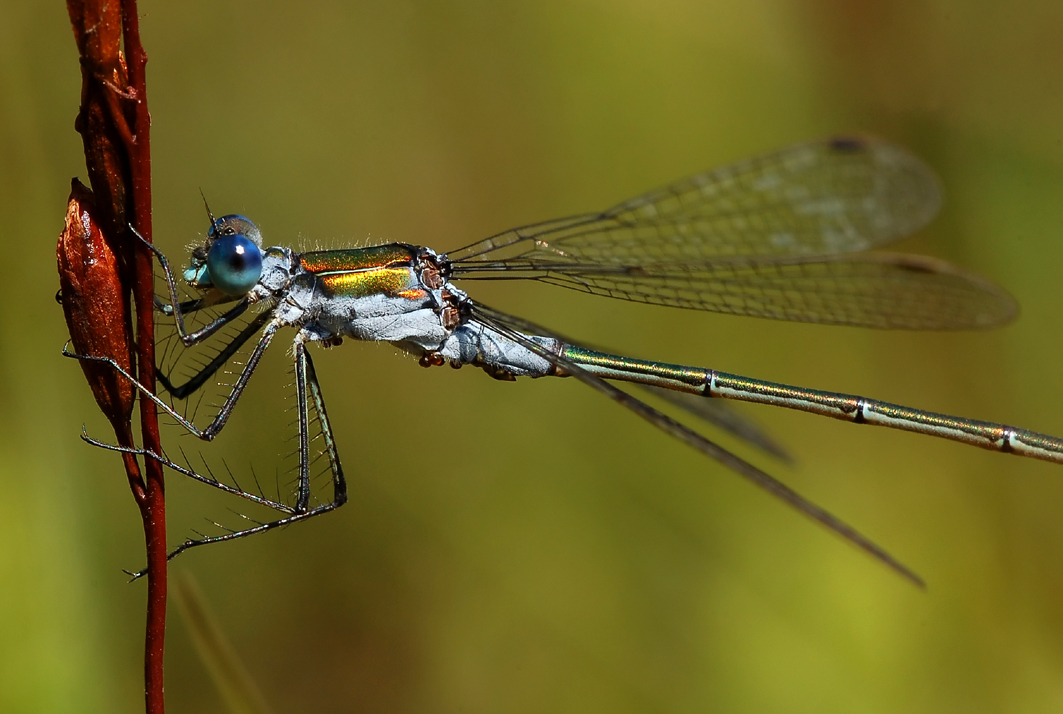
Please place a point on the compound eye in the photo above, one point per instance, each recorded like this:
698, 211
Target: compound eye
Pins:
234, 264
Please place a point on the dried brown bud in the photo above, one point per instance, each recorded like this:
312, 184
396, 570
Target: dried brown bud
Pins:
96, 305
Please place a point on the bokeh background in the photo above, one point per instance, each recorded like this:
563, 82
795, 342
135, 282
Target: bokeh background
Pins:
531, 547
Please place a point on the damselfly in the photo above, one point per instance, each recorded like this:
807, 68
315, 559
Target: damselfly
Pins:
780, 236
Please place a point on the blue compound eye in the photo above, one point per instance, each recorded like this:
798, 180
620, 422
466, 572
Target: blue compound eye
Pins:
234, 264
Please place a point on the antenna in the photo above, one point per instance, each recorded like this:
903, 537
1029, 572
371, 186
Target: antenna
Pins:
207, 206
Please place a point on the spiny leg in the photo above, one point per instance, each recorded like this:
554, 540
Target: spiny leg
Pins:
189, 339
307, 386
224, 355
219, 421
188, 471
302, 502
339, 484
307, 383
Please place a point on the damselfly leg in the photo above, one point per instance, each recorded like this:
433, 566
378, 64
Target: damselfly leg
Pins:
307, 388
309, 399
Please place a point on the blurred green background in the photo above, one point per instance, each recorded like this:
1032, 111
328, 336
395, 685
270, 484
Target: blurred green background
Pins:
531, 547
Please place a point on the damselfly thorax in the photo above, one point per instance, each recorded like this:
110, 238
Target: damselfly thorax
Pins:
394, 293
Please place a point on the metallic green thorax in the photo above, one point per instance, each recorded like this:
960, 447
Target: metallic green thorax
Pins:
360, 272
325, 262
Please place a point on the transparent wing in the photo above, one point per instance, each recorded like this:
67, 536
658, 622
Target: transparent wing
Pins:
880, 290
826, 197
768, 237
723, 416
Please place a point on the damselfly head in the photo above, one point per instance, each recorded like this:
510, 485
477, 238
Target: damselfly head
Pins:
230, 260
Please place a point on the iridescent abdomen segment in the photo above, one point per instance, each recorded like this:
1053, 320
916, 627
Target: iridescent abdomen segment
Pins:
848, 407
360, 272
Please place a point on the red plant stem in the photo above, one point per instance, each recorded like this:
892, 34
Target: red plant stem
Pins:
115, 125
153, 509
